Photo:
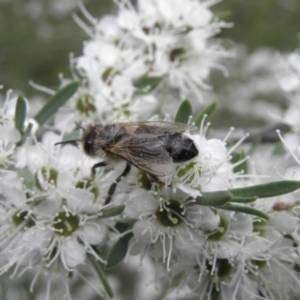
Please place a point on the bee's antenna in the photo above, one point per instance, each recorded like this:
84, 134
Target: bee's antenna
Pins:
67, 142
79, 126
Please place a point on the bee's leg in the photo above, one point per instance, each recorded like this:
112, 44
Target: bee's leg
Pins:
114, 185
95, 166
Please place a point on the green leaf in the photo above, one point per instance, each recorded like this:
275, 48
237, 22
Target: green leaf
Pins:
36, 201
215, 199
122, 226
184, 112
267, 190
20, 113
56, 101
175, 281
111, 212
279, 149
26, 133
109, 72
221, 15
146, 84
27, 177
177, 52
242, 199
245, 209
98, 268
75, 135
236, 157
207, 111
118, 251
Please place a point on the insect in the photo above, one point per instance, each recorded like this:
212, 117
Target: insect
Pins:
149, 146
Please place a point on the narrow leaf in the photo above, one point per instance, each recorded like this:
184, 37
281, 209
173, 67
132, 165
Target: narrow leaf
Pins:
243, 199
36, 201
26, 134
214, 198
267, 190
75, 135
118, 251
207, 111
172, 285
140, 92
279, 149
56, 101
98, 268
187, 29
176, 53
147, 83
111, 212
122, 226
236, 157
221, 15
245, 209
20, 113
184, 112
27, 177
176, 280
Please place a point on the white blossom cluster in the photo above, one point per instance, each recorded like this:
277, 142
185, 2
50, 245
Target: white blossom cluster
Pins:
252, 85
48, 205
145, 56
58, 231
289, 81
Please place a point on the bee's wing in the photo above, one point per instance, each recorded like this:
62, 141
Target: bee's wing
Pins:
147, 153
157, 127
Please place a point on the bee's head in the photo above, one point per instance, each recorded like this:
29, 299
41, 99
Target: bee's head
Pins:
93, 139
89, 140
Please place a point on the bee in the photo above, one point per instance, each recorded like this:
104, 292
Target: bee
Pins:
149, 146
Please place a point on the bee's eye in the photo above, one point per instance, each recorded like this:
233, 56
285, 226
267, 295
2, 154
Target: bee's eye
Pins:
88, 147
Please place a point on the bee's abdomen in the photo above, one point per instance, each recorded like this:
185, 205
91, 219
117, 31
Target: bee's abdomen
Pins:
180, 147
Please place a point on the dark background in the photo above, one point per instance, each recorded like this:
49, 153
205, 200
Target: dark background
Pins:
35, 41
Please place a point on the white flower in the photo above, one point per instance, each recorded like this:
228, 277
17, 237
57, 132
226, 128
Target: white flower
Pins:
285, 222
18, 231
289, 81
94, 233
163, 222
73, 253
9, 135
